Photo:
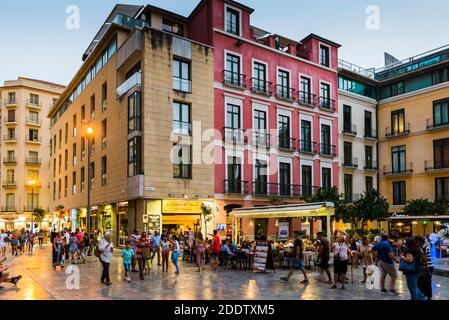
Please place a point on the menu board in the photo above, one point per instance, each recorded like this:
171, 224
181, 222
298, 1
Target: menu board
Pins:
263, 256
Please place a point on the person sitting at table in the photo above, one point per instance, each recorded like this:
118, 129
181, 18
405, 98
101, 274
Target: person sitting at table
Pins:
232, 246
224, 248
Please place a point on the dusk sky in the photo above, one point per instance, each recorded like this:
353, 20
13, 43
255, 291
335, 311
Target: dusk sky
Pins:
37, 44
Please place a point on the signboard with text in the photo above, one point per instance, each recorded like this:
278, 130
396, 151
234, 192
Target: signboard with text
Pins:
181, 207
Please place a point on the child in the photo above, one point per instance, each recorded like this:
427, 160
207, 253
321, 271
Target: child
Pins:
165, 246
175, 253
127, 255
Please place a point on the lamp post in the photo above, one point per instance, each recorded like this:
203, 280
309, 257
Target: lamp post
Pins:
90, 133
32, 183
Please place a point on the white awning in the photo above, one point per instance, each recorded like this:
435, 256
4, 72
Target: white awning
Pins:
310, 210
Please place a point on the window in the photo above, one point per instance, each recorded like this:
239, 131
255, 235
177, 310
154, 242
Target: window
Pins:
369, 125
261, 181
104, 170
59, 188
10, 202
324, 55
11, 176
306, 136
347, 124
232, 21
234, 175
92, 172
369, 184
232, 73
73, 183
326, 179
54, 168
134, 157
347, 153
181, 76
182, 167
442, 188
260, 128
11, 133
325, 96
104, 131
348, 187
83, 148
397, 88
60, 164
233, 116
181, 119
441, 153
34, 99
326, 139
398, 159
54, 144
33, 135
11, 156
83, 113
66, 159
399, 195
369, 157
66, 133
172, 27
440, 76
11, 97
134, 112
306, 181
11, 115
283, 85
54, 190
284, 132
441, 113
398, 122
66, 186
305, 90
60, 139
104, 97
33, 156
33, 174
74, 154
260, 77
284, 179
34, 117
92, 107
82, 179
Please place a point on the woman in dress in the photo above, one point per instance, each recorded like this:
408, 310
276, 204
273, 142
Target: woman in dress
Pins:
175, 253
200, 248
58, 251
73, 245
365, 254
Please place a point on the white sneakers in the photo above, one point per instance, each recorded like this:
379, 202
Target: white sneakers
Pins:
128, 279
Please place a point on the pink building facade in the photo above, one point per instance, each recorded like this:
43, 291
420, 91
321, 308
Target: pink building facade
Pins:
275, 110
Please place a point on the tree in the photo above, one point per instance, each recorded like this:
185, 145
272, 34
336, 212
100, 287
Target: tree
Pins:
441, 207
419, 207
207, 214
343, 210
38, 216
60, 214
370, 207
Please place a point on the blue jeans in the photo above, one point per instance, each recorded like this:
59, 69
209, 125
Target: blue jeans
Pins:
412, 284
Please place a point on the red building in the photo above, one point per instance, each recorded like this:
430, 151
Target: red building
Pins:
275, 111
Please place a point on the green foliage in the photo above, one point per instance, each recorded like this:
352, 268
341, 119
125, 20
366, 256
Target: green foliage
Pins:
343, 210
276, 201
207, 212
419, 207
38, 214
440, 207
371, 206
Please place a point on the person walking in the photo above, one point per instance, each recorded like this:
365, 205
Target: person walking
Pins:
73, 246
40, 237
30, 241
3, 241
133, 240
156, 241
386, 265
365, 252
324, 255
200, 249
165, 247
215, 250
142, 246
296, 260
15, 243
106, 248
412, 260
84, 246
58, 251
67, 243
22, 240
342, 252
425, 277
175, 253
127, 255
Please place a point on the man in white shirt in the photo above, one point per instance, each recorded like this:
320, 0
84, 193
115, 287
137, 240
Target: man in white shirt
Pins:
3, 236
67, 241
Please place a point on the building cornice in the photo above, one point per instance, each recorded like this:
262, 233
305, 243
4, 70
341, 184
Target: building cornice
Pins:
357, 97
401, 97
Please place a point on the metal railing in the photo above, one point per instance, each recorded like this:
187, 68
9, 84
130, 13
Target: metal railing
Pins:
351, 197
34, 139
328, 150
370, 134
182, 128
34, 104
9, 184
369, 73
430, 165
34, 121
8, 138
370, 165
8, 209
9, 160
431, 124
327, 104
9, 120
351, 163
31, 160
263, 188
286, 143
236, 187
261, 139
182, 85
261, 86
285, 93
306, 99
8, 102
234, 79
404, 169
350, 129
393, 132
307, 146
134, 80
234, 135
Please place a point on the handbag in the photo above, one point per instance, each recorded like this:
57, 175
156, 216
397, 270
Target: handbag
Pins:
337, 255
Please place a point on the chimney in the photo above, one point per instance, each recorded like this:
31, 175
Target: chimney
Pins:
272, 42
292, 48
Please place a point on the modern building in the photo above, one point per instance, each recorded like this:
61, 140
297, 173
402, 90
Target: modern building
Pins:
276, 111
146, 90
24, 150
357, 99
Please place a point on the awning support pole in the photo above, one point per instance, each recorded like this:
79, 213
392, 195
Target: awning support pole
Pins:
328, 223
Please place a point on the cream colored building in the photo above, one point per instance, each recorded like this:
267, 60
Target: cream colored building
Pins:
24, 147
146, 91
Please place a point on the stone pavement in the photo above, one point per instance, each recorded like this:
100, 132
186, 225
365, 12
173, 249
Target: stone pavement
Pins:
441, 267
40, 282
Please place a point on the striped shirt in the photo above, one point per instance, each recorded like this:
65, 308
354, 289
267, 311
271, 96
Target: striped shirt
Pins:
426, 251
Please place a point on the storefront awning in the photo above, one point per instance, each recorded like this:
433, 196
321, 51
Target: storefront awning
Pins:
322, 209
436, 218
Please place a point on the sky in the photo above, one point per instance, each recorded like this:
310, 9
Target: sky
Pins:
36, 43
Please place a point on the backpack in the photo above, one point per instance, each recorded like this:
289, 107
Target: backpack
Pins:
97, 252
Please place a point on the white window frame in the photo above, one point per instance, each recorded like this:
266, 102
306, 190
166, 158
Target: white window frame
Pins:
331, 95
235, 101
262, 157
303, 75
328, 165
266, 68
289, 76
288, 160
237, 154
329, 123
306, 117
306, 162
226, 6
330, 54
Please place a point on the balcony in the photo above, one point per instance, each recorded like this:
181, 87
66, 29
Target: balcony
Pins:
8, 209
35, 105
397, 132
10, 138
260, 86
7, 103
351, 163
9, 160
182, 171
308, 147
328, 150
370, 134
236, 187
131, 48
134, 81
285, 93
182, 128
34, 140
350, 130
233, 135
33, 161
439, 165
370, 165
434, 125
261, 139
307, 99
398, 170
234, 79
9, 184
262, 188
327, 104
182, 85
34, 122
10, 121
286, 143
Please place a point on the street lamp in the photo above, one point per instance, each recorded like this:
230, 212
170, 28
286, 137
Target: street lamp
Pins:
90, 134
32, 183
